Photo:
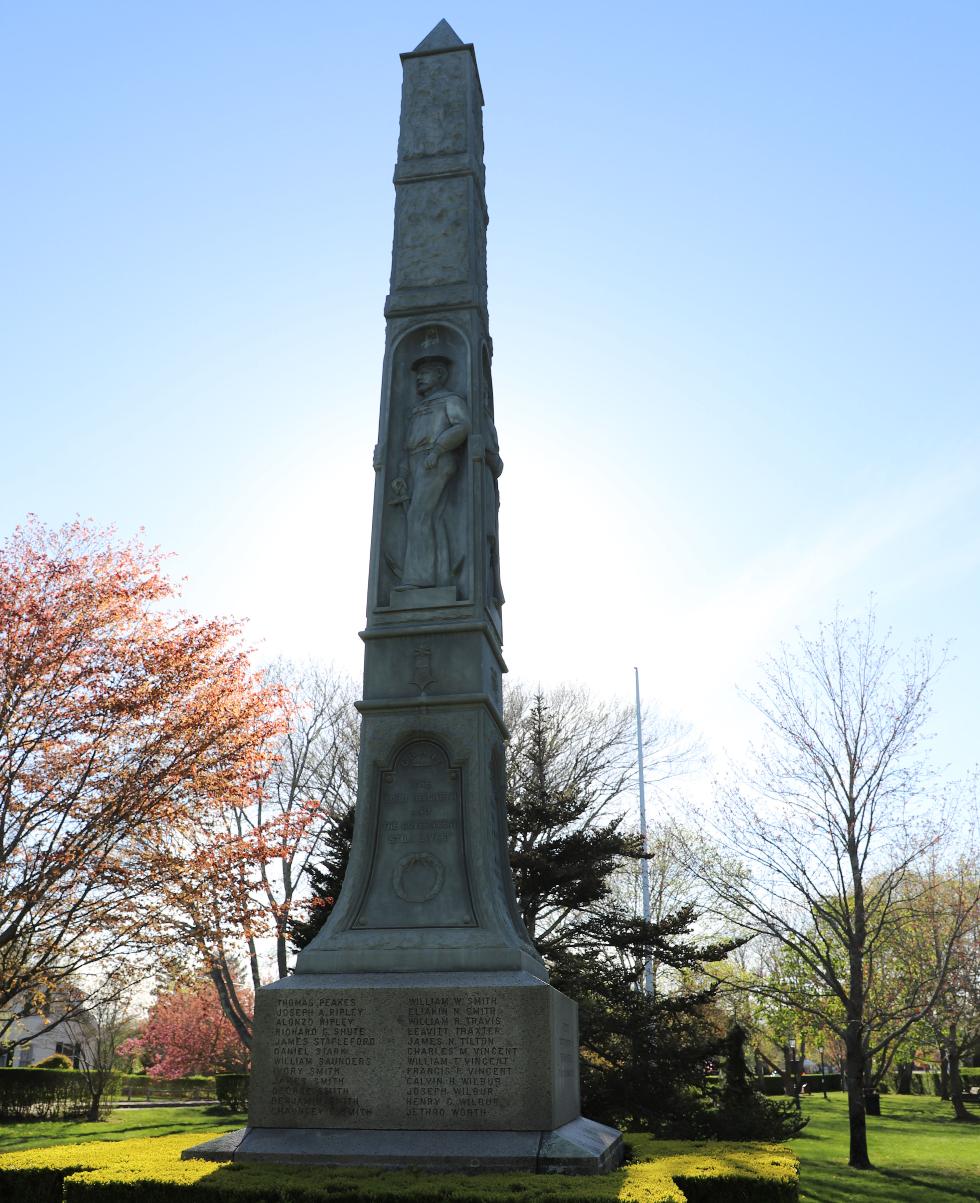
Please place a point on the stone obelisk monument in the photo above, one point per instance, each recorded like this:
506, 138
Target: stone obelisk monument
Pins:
419, 1027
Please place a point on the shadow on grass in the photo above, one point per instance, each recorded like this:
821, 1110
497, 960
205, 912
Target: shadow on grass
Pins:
933, 1186
878, 1186
120, 1125
920, 1154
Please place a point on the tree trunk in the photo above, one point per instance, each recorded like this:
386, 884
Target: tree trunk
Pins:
855, 1053
953, 1053
253, 964
282, 919
854, 1062
234, 1014
943, 1071
282, 953
904, 1078
94, 1105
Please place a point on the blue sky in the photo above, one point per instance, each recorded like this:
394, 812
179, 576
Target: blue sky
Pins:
734, 264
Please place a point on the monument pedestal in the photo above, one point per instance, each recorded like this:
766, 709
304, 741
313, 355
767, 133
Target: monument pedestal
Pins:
436, 1070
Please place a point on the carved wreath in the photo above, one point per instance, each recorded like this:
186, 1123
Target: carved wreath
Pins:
425, 860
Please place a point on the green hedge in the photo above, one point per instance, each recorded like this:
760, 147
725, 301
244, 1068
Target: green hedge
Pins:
144, 1088
232, 1091
30, 1093
814, 1084
922, 1082
42, 1094
149, 1170
929, 1081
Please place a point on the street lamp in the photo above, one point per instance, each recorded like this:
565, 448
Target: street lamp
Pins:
792, 1067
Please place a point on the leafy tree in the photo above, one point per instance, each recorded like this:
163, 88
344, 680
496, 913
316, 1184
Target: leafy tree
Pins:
569, 761
946, 900
645, 1057
326, 879
672, 889
829, 819
310, 787
789, 999
121, 721
237, 872
570, 764
956, 1017
102, 1028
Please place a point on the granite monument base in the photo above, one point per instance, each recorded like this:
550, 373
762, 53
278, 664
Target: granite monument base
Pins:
578, 1147
436, 1070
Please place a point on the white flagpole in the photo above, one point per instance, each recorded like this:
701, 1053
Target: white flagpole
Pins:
644, 864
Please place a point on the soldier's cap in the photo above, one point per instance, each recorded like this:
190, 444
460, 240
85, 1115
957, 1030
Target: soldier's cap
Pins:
444, 359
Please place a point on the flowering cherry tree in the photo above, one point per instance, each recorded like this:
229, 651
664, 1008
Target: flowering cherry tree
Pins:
188, 1033
123, 721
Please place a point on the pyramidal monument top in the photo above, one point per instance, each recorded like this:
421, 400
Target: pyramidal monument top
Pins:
440, 37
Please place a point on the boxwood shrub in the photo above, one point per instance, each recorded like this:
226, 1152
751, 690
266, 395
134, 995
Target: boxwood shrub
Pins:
55, 1061
150, 1171
232, 1091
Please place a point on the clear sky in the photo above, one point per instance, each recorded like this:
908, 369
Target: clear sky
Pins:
734, 294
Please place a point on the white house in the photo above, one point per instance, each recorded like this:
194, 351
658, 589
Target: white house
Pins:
45, 1035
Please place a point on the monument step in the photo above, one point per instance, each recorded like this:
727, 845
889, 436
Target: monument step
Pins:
579, 1147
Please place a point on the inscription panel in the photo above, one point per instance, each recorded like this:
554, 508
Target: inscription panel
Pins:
466, 1058
462, 1062
320, 1045
418, 876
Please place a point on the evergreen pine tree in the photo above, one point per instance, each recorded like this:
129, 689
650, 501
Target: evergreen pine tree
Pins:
645, 1057
325, 880
745, 1113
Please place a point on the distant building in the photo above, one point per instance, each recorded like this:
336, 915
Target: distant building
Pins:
28, 1039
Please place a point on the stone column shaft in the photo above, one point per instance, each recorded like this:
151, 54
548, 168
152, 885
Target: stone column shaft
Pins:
429, 884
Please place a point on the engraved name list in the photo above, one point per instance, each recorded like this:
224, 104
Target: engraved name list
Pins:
438, 1059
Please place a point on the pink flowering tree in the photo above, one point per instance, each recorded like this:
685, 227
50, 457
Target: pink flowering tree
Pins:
187, 1033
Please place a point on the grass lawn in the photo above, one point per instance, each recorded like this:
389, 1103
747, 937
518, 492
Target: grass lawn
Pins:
919, 1153
123, 1124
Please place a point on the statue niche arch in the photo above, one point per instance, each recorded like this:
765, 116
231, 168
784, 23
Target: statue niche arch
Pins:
426, 514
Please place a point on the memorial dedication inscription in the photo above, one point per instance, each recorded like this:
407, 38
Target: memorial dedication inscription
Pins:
418, 876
